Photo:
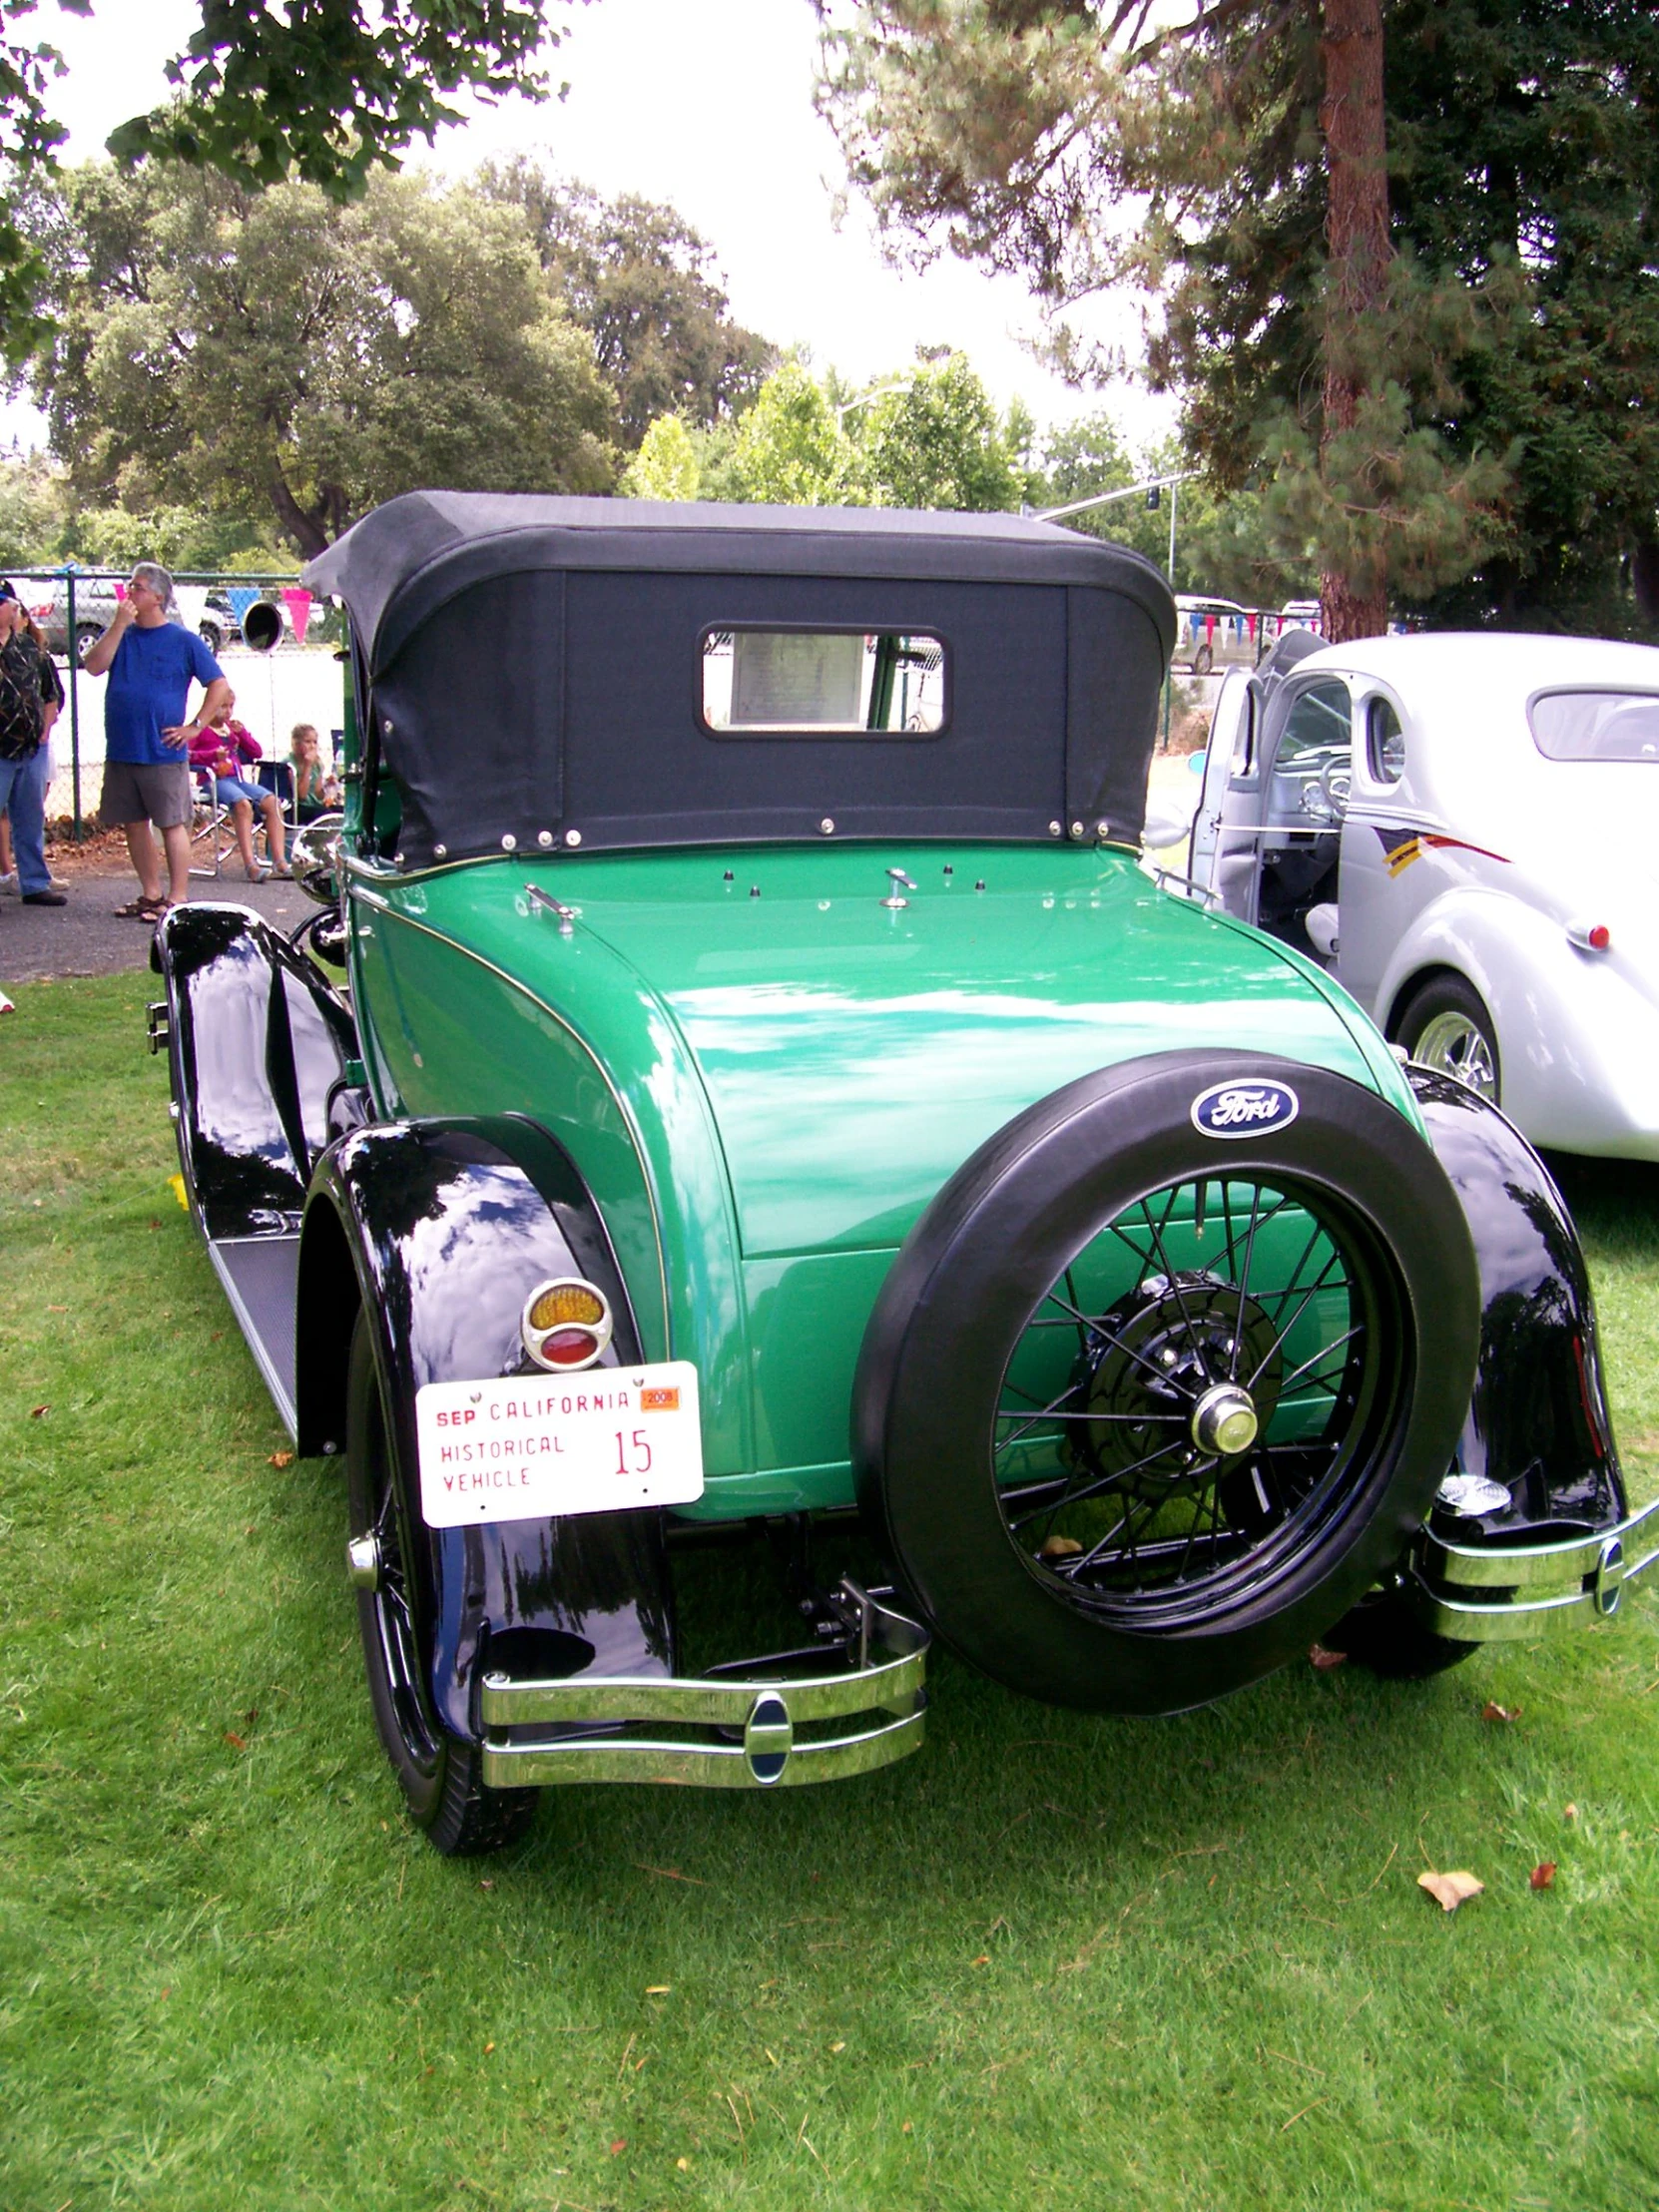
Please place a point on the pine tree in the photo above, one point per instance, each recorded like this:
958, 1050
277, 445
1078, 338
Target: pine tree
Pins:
1236, 162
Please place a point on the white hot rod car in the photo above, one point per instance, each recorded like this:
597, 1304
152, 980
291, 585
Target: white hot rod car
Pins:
1463, 828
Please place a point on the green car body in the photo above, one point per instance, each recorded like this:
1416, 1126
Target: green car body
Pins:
765, 1073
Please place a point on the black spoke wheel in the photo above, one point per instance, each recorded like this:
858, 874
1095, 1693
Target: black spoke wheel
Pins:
1143, 1410
437, 1772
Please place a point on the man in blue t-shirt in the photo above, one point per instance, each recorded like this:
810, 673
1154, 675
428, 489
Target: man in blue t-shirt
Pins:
152, 663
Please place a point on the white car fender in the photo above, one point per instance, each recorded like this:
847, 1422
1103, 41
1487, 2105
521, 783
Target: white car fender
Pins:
1576, 1043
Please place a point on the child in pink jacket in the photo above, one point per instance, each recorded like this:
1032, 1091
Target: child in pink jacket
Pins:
226, 746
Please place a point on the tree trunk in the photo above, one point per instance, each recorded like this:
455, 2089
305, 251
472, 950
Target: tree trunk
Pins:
1644, 575
304, 528
1357, 233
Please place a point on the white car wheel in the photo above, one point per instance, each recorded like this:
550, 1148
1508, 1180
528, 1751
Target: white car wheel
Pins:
1446, 1028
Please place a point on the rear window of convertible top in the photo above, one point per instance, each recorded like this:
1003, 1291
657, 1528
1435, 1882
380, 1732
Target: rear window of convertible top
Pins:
823, 683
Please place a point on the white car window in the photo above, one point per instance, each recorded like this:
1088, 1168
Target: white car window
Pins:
1596, 726
1385, 743
1318, 725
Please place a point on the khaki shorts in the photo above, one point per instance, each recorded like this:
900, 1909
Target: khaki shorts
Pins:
146, 791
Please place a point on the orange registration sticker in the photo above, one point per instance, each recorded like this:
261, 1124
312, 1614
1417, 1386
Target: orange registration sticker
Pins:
661, 1399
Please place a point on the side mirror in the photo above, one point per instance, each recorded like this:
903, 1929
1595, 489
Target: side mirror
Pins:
313, 859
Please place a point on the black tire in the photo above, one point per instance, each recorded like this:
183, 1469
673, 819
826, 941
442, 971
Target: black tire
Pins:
1005, 1312
1202, 660
1445, 1025
211, 636
437, 1772
1385, 1637
87, 635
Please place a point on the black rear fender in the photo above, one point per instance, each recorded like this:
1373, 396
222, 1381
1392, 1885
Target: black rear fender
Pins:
1538, 1422
439, 1230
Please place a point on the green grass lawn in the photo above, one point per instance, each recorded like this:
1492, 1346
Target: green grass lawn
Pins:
1054, 1961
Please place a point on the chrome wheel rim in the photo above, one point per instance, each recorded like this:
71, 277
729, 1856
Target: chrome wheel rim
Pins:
1452, 1044
1224, 1386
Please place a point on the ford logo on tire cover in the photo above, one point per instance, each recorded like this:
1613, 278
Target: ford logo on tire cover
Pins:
1246, 1107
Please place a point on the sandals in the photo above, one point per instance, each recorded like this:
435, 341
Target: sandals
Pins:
145, 909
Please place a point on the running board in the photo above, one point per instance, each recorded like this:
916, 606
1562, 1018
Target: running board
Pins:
259, 1275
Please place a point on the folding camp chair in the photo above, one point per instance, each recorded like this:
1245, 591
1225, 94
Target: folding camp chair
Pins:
209, 824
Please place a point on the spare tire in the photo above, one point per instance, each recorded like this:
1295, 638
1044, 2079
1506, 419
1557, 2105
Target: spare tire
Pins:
1166, 1376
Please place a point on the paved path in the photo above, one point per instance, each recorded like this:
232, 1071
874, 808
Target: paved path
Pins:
86, 937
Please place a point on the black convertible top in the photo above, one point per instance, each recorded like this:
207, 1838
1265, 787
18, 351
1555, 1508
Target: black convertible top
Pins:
530, 669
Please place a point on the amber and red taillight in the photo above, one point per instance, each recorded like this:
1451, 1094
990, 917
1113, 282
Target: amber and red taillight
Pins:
566, 1324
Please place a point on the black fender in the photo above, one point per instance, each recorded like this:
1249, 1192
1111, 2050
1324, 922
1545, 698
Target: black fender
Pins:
1538, 1421
439, 1230
258, 1041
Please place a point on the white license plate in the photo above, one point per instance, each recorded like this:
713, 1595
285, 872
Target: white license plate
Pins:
524, 1448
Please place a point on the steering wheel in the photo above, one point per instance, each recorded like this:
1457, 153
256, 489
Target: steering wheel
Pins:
1326, 798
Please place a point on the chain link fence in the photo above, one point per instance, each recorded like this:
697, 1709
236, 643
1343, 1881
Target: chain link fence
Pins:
275, 641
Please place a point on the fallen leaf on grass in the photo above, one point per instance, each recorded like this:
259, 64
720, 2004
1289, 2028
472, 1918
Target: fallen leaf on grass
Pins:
1451, 1889
983, 1960
1324, 1660
619, 2146
486, 1883
1542, 1876
236, 1742
683, 2164
658, 1988
671, 1874
837, 2046
1569, 1812
35, 1412
280, 1459
1491, 1712
1059, 1548
488, 2048
57, 1308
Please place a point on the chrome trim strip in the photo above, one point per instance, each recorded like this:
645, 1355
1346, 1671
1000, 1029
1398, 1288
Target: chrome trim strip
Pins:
709, 1767
757, 1717
1576, 1582
1164, 877
1481, 1567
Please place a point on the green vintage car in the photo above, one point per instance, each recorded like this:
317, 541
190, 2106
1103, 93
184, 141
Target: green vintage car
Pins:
765, 1092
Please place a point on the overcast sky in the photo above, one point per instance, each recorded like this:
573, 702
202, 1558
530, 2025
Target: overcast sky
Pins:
706, 103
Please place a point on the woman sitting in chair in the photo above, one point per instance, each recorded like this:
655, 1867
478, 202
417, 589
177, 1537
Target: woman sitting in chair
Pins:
224, 748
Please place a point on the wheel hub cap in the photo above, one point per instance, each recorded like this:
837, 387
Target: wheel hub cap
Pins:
362, 1562
1223, 1420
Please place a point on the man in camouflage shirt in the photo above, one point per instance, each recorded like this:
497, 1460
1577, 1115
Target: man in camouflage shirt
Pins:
29, 696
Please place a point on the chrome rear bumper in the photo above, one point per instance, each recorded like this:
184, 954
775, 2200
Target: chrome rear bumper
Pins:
1478, 1594
739, 1732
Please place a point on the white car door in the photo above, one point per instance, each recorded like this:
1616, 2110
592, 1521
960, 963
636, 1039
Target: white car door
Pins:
1226, 847
1377, 845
